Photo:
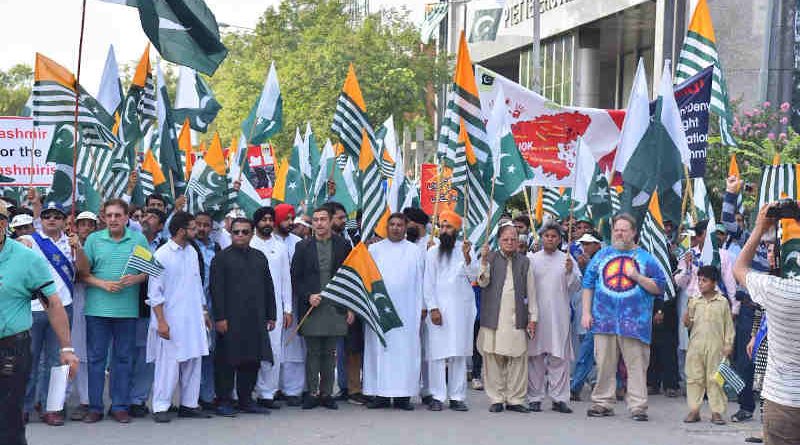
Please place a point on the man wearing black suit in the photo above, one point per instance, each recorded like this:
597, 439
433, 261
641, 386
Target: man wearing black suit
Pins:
315, 261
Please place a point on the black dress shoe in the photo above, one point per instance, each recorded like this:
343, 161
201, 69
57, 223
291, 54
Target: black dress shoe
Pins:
427, 400
309, 401
640, 416
162, 417
341, 395
293, 401
496, 408
562, 407
379, 403
252, 408
518, 408
435, 405
192, 413
535, 407
458, 405
207, 406
403, 403
138, 411
269, 403
328, 402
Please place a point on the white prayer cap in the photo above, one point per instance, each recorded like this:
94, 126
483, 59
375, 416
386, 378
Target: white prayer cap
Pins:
87, 215
588, 238
20, 220
302, 222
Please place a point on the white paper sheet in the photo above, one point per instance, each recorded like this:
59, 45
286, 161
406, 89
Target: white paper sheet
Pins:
57, 391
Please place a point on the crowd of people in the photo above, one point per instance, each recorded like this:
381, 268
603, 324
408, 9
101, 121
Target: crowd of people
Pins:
234, 320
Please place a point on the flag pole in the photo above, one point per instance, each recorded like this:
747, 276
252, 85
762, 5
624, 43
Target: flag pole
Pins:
435, 218
571, 219
530, 212
685, 200
77, 102
491, 210
299, 324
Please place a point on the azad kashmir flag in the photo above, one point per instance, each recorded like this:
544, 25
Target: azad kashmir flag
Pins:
698, 52
358, 286
654, 240
547, 133
375, 211
185, 32
702, 206
658, 161
778, 181
143, 261
207, 189
266, 117
194, 100
151, 177
350, 117
733, 170
101, 159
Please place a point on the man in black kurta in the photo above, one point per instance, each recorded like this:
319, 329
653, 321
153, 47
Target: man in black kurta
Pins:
244, 310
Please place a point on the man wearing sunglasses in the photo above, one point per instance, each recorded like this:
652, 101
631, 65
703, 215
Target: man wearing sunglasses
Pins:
61, 252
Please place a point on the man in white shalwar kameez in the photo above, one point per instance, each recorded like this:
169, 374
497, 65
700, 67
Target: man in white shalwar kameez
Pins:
550, 350
394, 371
177, 338
450, 302
278, 259
293, 356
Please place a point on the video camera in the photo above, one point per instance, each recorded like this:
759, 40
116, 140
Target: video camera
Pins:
785, 208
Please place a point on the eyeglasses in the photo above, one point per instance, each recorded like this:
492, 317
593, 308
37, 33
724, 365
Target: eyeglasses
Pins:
52, 216
244, 232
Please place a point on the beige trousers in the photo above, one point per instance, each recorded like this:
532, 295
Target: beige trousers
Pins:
505, 379
607, 349
701, 366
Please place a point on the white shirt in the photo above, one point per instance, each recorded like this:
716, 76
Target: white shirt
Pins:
180, 289
61, 288
781, 299
290, 242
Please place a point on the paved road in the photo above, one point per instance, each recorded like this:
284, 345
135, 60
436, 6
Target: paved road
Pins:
355, 425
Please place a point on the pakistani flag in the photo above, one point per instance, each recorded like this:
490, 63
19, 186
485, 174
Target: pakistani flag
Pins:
703, 209
309, 158
185, 32
433, 18
293, 182
208, 189
790, 248
511, 169
266, 117
169, 153
358, 286
194, 100
60, 154
659, 159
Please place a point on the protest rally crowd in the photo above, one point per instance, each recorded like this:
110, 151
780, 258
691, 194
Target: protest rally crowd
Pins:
163, 281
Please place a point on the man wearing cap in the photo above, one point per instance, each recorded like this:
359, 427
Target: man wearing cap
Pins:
22, 225
85, 224
22, 273
302, 227
292, 366
584, 362
57, 248
449, 300
550, 351
278, 260
393, 371
582, 225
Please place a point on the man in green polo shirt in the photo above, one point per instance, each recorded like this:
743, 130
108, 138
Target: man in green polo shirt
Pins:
23, 272
112, 306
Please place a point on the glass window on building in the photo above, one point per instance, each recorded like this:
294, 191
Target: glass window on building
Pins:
557, 67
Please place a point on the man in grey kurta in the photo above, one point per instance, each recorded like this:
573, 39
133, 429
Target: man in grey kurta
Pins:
508, 310
550, 351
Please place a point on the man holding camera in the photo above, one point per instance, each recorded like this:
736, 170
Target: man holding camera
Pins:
781, 299
23, 275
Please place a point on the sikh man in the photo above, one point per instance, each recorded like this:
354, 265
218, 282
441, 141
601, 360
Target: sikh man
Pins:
450, 303
550, 352
278, 259
177, 338
394, 371
245, 312
293, 357
619, 286
508, 311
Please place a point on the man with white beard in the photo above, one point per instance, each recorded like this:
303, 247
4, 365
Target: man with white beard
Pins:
450, 302
393, 371
293, 359
278, 261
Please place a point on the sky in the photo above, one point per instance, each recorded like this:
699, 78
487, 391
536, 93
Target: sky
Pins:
52, 27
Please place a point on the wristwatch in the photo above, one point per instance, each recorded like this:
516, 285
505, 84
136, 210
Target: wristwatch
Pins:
68, 349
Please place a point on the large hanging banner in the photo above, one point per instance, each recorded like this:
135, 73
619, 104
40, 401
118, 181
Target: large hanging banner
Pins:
547, 133
23, 153
429, 190
693, 98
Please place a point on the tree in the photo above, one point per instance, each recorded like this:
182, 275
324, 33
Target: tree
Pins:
312, 43
15, 87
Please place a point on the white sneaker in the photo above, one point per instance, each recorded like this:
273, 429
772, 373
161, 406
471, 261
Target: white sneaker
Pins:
477, 385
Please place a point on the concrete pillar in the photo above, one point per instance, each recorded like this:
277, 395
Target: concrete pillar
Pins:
587, 62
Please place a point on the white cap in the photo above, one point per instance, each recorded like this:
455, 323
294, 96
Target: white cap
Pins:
302, 222
236, 213
87, 215
20, 220
588, 238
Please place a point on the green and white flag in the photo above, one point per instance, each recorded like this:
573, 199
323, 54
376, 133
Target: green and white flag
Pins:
654, 240
266, 117
319, 188
208, 188
109, 95
659, 159
185, 32
194, 100
511, 169
710, 253
143, 261
433, 17
309, 157
247, 198
168, 152
60, 154
777, 181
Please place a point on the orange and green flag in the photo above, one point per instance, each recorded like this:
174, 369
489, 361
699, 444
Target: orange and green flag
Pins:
375, 211
208, 188
350, 117
654, 240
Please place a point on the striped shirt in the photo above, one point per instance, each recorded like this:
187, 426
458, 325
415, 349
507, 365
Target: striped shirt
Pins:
780, 297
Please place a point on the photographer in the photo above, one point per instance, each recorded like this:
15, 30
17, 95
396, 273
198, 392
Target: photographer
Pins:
781, 299
23, 274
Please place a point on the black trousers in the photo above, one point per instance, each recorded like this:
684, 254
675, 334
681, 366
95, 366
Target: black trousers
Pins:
477, 358
663, 369
15, 368
244, 374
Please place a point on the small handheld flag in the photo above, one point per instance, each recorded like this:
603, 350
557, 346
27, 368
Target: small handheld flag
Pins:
143, 261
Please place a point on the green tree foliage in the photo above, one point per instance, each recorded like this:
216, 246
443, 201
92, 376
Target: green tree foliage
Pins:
312, 43
15, 87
